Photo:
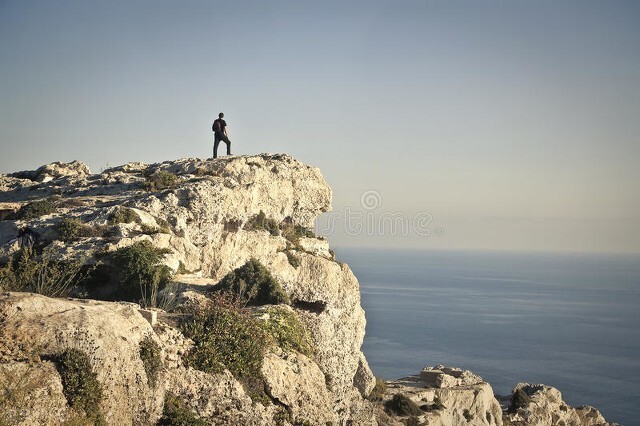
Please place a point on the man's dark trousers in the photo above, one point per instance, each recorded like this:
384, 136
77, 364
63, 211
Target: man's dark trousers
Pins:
219, 136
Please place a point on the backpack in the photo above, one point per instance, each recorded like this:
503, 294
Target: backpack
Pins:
216, 126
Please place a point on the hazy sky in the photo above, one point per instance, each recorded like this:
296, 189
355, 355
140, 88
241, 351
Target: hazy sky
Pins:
513, 124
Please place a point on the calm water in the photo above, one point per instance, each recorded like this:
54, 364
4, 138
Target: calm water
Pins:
567, 320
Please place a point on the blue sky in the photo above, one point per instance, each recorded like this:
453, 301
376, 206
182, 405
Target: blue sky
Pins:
514, 124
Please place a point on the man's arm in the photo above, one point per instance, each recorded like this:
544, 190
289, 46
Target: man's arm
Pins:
225, 131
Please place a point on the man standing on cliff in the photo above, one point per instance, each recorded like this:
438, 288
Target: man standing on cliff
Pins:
220, 134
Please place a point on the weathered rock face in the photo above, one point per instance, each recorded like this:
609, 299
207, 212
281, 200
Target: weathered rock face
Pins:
201, 212
201, 216
451, 396
546, 407
448, 397
110, 333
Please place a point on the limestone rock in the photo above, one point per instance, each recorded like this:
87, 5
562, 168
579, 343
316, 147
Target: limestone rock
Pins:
109, 333
202, 217
546, 407
470, 403
296, 382
55, 170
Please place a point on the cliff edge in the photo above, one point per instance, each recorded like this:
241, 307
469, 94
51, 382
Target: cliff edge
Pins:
195, 292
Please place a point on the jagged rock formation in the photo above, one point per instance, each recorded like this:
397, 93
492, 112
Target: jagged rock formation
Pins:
201, 212
451, 396
200, 219
543, 405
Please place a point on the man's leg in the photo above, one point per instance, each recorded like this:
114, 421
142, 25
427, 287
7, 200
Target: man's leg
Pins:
216, 142
226, 140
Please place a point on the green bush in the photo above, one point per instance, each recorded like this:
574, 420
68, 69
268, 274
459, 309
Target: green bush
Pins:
401, 405
161, 180
377, 393
292, 232
140, 273
35, 209
124, 215
150, 230
150, 354
80, 384
28, 272
71, 229
262, 222
287, 330
519, 399
253, 284
225, 336
177, 413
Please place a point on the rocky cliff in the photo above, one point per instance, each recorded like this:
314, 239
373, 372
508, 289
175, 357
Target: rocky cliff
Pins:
104, 353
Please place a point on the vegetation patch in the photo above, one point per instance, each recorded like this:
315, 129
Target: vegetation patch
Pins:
152, 230
140, 273
377, 393
124, 215
434, 406
227, 336
253, 284
160, 180
287, 330
291, 231
177, 413
34, 209
80, 384
69, 229
150, 354
519, 399
182, 269
261, 222
401, 405
29, 272
292, 258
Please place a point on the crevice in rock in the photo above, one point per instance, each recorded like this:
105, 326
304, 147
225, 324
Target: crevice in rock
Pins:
316, 307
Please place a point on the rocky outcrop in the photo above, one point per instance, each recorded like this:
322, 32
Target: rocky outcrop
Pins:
199, 211
451, 396
538, 405
203, 214
446, 396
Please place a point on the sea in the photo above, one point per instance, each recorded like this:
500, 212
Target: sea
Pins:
568, 320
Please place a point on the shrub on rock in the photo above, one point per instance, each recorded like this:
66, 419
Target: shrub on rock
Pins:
177, 413
80, 384
150, 354
69, 229
519, 399
253, 284
140, 273
225, 336
401, 405
160, 180
124, 215
27, 271
35, 209
287, 330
